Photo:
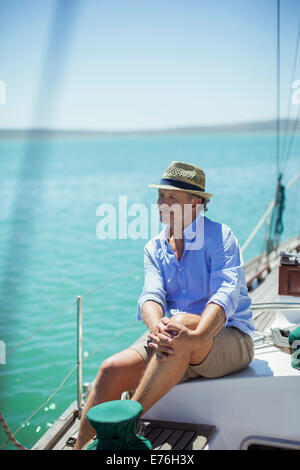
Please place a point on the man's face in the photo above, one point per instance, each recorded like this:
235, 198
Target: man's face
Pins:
175, 207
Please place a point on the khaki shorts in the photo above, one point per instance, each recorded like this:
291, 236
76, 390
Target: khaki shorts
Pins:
233, 350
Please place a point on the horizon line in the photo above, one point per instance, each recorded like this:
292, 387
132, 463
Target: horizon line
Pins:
257, 125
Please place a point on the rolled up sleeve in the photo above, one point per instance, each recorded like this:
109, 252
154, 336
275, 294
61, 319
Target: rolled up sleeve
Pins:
226, 274
154, 286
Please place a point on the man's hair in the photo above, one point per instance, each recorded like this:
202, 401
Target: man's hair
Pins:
204, 200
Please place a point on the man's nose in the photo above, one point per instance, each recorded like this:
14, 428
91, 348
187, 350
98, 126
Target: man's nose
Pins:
163, 200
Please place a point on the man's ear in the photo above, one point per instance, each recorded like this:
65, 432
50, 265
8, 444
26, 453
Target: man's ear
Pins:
197, 200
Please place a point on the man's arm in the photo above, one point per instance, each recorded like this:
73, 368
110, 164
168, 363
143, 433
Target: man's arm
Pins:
153, 317
211, 322
227, 275
152, 313
154, 293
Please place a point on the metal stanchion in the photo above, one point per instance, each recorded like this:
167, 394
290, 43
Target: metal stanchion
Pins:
79, 355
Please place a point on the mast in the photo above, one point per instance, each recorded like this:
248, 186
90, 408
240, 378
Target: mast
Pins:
276, 225
278, 90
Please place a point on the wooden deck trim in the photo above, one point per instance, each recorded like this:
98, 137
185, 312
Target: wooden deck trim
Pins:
258, 275
71, 433
58, 429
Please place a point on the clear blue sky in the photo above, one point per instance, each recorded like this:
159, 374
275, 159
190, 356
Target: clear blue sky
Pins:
138, 64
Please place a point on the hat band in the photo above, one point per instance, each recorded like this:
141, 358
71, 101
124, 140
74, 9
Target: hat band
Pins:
180, 184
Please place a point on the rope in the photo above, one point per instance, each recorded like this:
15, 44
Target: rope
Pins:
9, 434
280, 204
277, 218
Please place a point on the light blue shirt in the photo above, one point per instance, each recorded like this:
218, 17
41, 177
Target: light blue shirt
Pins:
213, 272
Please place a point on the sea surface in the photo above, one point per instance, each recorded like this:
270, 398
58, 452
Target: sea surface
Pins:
50, 194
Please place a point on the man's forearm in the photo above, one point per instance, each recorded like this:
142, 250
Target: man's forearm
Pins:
152, 312
212, 320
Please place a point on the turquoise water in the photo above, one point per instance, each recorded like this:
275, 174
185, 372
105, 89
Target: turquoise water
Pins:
49, 251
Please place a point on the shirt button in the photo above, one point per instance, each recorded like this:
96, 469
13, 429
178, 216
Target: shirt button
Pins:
180, 270
183, 291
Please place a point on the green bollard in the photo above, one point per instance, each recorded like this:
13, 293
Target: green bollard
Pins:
294, 341
115, 423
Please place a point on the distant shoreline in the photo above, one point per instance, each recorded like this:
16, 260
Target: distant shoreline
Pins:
249, 127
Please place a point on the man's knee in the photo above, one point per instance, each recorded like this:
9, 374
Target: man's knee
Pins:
109, 368
120, 367
188, 320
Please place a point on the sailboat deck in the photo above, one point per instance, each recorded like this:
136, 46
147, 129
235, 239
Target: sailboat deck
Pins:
163, 435
173, 435
267, 291
177, 436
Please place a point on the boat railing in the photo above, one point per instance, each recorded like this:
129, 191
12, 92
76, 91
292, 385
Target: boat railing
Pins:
80, 360
265, 216
258, 276
275, 305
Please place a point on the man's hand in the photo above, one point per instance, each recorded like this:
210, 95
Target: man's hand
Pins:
172, 338
185, 333
159, 338
183, 340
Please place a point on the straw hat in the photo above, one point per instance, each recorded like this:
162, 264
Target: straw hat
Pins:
186, 177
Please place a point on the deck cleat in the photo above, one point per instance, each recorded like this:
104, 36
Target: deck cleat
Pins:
115, 423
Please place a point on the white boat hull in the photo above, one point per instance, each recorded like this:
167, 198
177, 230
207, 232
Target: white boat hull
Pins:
258, 402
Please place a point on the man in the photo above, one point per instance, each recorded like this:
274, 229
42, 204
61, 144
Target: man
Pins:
194, 303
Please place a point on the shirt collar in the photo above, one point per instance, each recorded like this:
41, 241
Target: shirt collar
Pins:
189, 232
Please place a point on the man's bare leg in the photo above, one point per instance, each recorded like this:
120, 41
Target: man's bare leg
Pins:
160, 376
117, 374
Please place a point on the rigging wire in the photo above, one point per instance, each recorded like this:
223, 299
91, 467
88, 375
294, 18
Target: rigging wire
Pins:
33, 166
102, 286
3, 422
284, 152
278, 90
296, 198
291, 140
40, 328
276, 225
278, 205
